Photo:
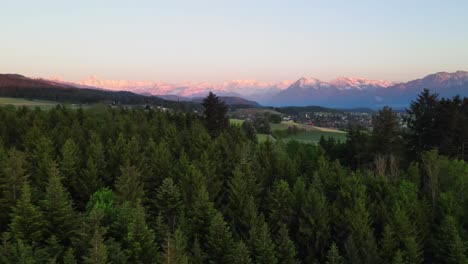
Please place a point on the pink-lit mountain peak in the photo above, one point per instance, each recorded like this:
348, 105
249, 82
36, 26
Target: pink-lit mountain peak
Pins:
347, 82
341, 83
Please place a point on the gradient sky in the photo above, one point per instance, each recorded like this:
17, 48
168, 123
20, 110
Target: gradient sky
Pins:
175, 41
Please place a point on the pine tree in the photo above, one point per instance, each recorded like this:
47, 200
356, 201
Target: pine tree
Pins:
169, 202
27, 220
57, 208
333, 255
40, 158
116, 254
140, 238
431, 165
261, 244
97, 253
285, 247
241, 202
241, 254
174, 249
219, 241
128, 186
69, 257
421, 116
201, 213
215, 114
386, 136
95, 151
12, 177
398, 259
69, 167
280, 205
451, 245
314, 230
198, 256
360, 245
90, 181
158, 165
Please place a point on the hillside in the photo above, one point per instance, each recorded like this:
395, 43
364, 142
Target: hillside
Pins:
18, 86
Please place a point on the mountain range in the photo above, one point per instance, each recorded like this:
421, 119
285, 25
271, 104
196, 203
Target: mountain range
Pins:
348, 92
343, 92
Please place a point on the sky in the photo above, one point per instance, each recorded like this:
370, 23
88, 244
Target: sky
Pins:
214, 41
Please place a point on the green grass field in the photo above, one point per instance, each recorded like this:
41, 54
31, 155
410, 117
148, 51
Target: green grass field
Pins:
311, 134
314, 136
254, 111
234, 121
43, 104
26, 102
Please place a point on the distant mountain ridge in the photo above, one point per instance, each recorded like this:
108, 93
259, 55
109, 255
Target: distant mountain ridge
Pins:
18, 86
350, 93
343, 92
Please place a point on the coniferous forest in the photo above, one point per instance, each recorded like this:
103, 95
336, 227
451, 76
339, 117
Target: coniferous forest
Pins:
148, 186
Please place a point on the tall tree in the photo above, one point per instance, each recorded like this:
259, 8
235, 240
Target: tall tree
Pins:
219, 241
57, 207
12, 176
386, 136
27, 221
140, 238
129, 185
241, 254
451, 245
286, 249
69, 168
333, 255
97, 253
215, 114
421, 116
261, 244
175, 249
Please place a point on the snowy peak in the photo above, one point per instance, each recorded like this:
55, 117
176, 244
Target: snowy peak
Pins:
342, 83
359, 83
306, 81
359, 92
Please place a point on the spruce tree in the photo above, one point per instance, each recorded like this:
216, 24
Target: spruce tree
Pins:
69, 257
280, 205
215, 114
261, 244
451, 245
286, 249
97, 253
140, 238
12, 176
129, 185
27, 220
241, 254
169, 202
57, 208
70, 167
175, 249
219, 241
333, 255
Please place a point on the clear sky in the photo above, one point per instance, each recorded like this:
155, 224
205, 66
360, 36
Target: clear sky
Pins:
197, 40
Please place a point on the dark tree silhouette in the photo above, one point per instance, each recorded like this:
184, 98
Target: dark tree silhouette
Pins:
215, 111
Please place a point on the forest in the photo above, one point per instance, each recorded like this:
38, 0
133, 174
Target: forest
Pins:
148, 186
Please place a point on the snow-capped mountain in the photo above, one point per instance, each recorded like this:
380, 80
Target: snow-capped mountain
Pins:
343, 92
357, 92
245, 88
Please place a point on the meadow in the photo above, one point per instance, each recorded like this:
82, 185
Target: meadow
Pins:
307, 134
26, 102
